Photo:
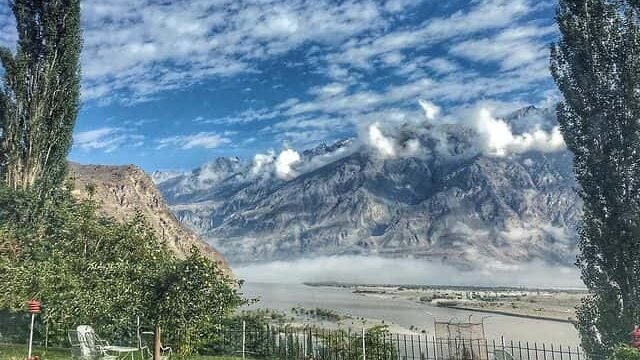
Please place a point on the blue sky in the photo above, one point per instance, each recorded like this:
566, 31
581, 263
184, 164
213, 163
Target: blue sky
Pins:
173, 84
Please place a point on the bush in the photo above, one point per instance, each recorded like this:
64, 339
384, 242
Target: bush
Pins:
625, 352
348, 346
89, 269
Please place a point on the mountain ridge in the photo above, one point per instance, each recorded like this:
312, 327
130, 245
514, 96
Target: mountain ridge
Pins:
444, 199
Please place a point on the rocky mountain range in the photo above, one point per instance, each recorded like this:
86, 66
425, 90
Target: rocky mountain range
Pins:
124, 191
432, 191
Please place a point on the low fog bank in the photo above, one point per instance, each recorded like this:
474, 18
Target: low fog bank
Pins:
377, 270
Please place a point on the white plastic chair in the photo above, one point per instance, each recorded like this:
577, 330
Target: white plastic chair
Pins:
85, 344
76, 346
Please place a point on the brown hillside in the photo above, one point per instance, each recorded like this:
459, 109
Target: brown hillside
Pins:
124, 190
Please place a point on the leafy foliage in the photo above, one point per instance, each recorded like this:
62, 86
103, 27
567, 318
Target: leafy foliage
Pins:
192, 299
318, 313
596, 66
625, 352
39, 98
260, 337
87, 269
378, 344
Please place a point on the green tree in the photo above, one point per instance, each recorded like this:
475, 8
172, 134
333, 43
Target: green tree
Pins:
88, 269
596, 65
39, 97
192, 299
624, 352
84, 268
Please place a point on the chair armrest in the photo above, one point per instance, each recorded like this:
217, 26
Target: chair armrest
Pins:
101, 342
145, 349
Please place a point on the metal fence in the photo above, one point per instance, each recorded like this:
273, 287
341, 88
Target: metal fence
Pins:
294, 344
288, 343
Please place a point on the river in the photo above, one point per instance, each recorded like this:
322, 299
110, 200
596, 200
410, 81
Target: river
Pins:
406, 313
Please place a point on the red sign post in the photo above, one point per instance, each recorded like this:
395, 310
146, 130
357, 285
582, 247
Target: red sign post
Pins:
33, 307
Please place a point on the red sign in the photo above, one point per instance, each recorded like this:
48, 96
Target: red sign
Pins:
33, 306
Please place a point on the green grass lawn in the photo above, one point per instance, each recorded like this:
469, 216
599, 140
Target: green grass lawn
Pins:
19, 352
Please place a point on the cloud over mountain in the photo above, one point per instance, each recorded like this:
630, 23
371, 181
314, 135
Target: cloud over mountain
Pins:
494, 136
436, 188
225, 78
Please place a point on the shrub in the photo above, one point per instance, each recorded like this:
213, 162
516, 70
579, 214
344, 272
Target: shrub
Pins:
89, 269
625, 352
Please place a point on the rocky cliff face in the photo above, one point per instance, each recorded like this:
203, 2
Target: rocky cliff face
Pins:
122, 191
464, 207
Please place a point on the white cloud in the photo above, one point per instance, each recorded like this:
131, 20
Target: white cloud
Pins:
107, 139
431, 111
281, 165
347, 148
375, 270
526, 233
486, 15
289, 164
499, 140
393, 133
206, 140
384, 146
328, 90
391, 141
246, 116
402, 135
457, 87
399, 5
511, 48
362, 101
262, 163
393, 58
284, 164
155, 46
442, 65
493, 21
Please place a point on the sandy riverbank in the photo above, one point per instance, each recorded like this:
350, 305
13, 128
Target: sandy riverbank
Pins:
544, 304
299, 317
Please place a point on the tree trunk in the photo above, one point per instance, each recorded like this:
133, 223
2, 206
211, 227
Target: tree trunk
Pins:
157, 344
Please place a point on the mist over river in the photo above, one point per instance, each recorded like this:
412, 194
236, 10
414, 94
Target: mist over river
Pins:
406, 313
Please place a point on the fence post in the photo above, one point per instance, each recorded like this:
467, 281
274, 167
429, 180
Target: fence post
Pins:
364, 347
244, 337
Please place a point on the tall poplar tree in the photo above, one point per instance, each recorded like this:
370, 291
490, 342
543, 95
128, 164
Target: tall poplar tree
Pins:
39, 98
596, 65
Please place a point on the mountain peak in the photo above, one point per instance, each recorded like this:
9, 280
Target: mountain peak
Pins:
531, 117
